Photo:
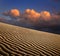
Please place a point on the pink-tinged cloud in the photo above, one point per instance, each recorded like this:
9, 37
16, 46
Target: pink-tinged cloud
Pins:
32, 14
12, 13
45, 15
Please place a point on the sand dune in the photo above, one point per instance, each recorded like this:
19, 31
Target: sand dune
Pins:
18, 41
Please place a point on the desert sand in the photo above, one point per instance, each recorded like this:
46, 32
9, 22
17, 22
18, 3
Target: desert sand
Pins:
19, 41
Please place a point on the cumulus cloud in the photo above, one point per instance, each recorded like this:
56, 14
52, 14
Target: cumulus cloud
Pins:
36, 16
31, 14
46, 15
12, 13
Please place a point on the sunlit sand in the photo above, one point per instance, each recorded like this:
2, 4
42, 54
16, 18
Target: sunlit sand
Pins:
19, 41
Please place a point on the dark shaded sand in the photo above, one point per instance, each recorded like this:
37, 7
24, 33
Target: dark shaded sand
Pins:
18, 41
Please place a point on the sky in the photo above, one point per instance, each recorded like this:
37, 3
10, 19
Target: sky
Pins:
38, 5
30, 13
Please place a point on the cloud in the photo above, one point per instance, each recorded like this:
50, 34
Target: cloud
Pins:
2, 18
31, 18
56, 16
31, 14
34, 15
12, 13
46, 15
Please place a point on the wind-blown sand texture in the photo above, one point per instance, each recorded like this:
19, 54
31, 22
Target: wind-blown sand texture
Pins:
19, 41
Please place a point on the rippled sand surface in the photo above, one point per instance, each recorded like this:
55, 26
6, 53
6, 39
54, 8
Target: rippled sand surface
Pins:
18, 41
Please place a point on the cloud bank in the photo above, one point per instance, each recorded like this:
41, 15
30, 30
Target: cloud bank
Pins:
31, 18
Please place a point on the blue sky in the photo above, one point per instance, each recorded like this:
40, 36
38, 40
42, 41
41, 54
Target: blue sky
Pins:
38, 5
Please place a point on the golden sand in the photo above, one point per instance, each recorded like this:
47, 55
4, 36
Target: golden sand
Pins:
19, 41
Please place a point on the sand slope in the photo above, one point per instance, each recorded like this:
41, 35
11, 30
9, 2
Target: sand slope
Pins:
18, 41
